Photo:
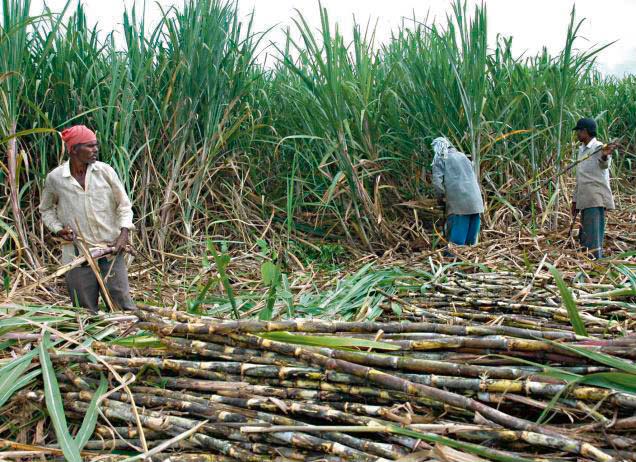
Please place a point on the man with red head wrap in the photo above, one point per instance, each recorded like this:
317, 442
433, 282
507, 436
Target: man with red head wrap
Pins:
84, 198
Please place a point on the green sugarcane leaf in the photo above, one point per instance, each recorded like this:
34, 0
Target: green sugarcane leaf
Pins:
618, 381
25, 380
613, 380
267, 312
139, 341
602, 358
15, 362
54, 405
90, 419
629, 274
222, 260
26, 321
328, 341
467, 447
10, 375
543, 418
549, 371
270, 273
31, 131
568, 301
287, 295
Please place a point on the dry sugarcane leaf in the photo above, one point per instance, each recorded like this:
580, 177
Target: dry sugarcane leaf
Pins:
481, 420
419, 456
446, 454
280, 404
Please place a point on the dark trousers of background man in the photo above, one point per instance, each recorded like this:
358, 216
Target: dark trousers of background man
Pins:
593, 230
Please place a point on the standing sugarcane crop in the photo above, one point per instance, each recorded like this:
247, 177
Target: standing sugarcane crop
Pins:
593, 194
455, 184
86, 197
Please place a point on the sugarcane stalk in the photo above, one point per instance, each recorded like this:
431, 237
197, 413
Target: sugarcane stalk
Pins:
300, 440
112, 410
233, 371
316, 326
95, 254
194, 457
396, 383
224, 412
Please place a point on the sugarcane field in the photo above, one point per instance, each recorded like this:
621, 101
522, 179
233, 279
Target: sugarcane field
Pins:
240, 230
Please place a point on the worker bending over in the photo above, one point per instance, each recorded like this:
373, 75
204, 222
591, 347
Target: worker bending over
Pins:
85, 198
593, 194
455, 183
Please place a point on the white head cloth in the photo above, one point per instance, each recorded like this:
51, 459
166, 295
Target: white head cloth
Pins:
441, 146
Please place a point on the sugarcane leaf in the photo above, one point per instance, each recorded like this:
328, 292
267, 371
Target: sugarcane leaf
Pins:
15, 362
31, 131
543, 418
449, 454
28, 321
568, 300
97, 337
328, 341
270, 273
222, 260
9, 376
613, 380
397, 309
470, 448
21, 383
287, 295
549, 371
6, 283
268, 311
618, 381
271, 276
53, 310
138, 341
602, 358
629, 274
90, 419
54, 405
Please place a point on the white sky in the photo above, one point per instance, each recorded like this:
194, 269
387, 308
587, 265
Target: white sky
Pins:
533, 23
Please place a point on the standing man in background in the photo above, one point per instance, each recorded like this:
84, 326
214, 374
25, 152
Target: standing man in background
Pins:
593, 194
85, 198
455, 183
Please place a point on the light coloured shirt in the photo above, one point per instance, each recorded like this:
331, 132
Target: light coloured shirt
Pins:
454, 179
593, 178
97, 214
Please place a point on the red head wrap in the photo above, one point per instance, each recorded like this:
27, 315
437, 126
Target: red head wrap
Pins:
78, 134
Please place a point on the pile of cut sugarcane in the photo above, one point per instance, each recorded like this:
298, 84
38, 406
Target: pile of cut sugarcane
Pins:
470, 367
531, 301
361, 391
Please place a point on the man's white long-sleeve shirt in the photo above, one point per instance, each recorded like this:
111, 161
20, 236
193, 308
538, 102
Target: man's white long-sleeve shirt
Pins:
97, 213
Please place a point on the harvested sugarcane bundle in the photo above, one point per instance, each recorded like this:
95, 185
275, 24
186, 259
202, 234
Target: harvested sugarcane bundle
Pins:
498, 372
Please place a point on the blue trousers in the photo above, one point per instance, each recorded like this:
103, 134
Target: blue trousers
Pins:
463, 229
593, 230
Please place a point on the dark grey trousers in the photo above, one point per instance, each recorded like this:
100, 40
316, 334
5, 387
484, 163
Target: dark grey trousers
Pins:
593, 230
84, 288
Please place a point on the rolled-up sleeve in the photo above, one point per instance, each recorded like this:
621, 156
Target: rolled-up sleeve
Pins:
124, 206
603, 164
48, 207
438, 176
